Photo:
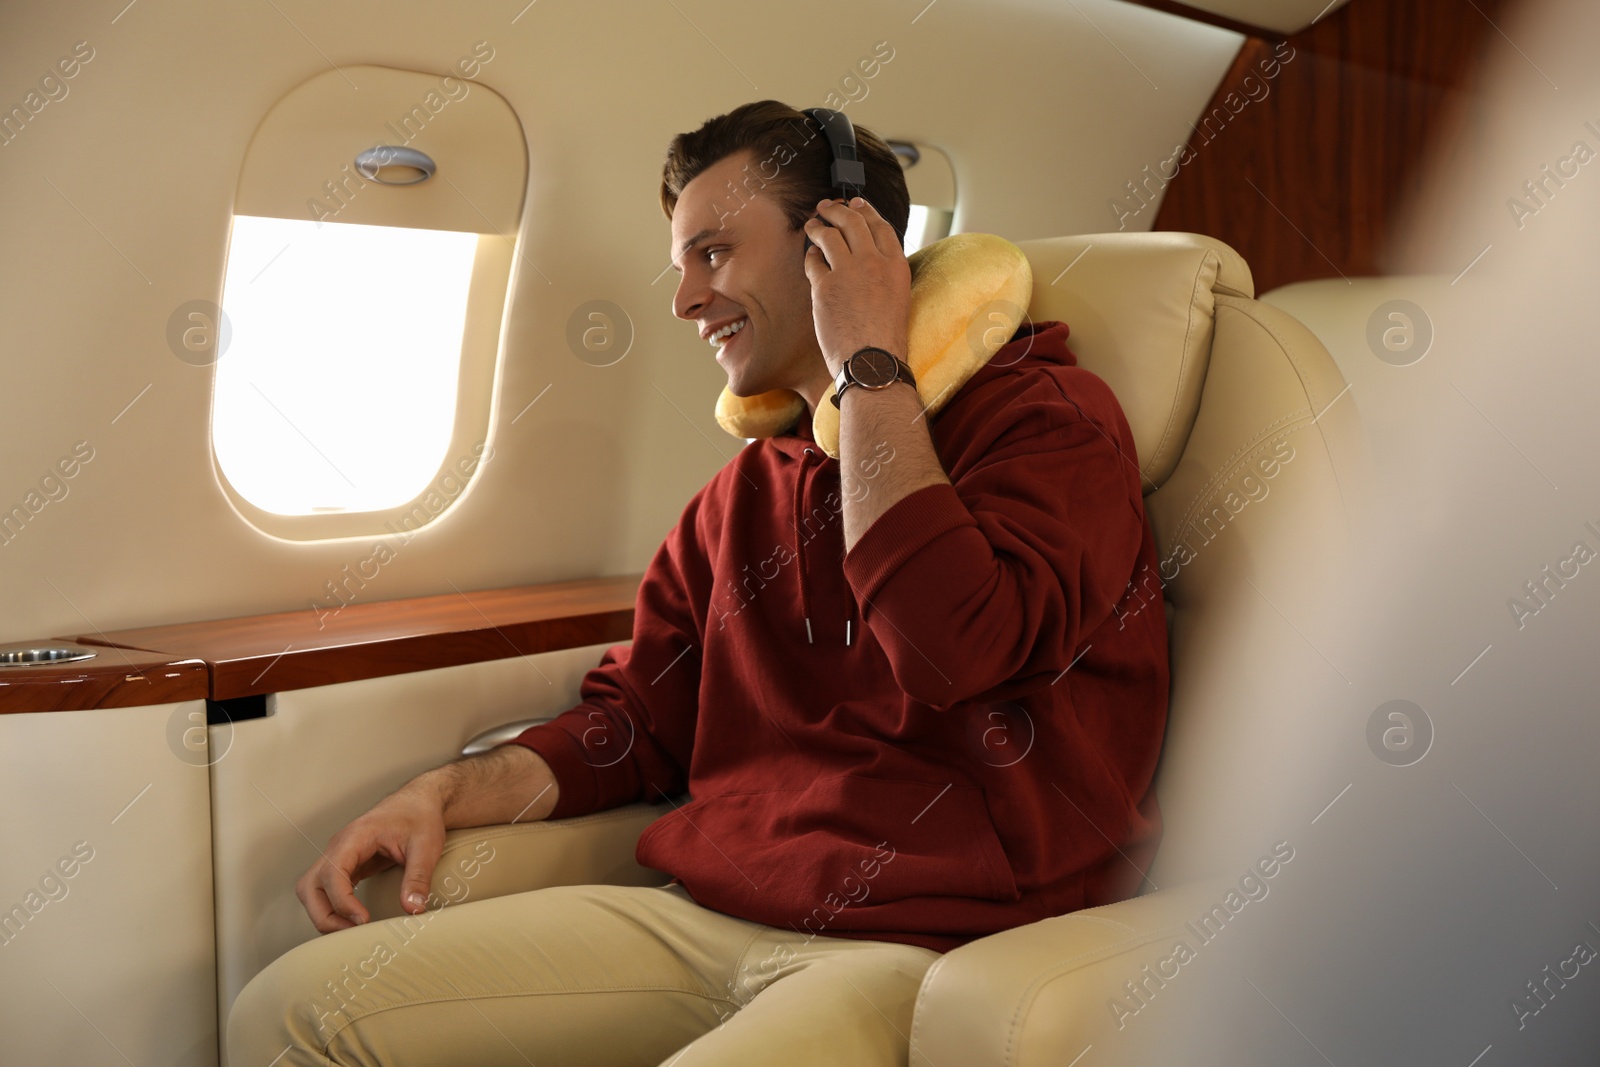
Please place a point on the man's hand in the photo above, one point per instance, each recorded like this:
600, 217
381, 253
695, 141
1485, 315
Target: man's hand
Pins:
405, 827
860, 282
511, 783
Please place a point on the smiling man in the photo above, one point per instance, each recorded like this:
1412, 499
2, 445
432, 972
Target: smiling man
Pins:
785, 303
894, 685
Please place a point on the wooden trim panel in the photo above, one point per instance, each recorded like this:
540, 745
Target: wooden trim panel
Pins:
1310, 151
115, 678
259, 654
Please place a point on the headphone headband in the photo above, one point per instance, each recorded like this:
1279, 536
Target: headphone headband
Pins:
848, 173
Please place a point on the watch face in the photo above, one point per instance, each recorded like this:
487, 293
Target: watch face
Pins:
873, 368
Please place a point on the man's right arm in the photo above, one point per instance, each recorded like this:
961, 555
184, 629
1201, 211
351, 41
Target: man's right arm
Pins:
642, 700
510, 783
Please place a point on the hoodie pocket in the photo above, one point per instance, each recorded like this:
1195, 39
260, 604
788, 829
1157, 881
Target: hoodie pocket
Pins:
858, 839
909, 839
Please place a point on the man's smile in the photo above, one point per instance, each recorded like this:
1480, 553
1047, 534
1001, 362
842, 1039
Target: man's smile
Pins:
722, 334
725, 341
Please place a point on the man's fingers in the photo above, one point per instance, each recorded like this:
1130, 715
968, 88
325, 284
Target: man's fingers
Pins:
323, 917
882, 232
315, 901
849, 223
406, 828
817, 264
822, 235
422, 856
336, 886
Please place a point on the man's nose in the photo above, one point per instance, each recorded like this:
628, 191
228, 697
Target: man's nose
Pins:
690, 299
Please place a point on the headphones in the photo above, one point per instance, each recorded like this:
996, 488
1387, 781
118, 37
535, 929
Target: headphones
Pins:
847, 173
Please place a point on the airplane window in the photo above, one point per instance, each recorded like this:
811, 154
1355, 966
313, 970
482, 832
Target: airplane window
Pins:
926, 225
338, 389
931, 181
363, 301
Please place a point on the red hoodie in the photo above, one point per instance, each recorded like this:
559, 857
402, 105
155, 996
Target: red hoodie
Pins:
950, 731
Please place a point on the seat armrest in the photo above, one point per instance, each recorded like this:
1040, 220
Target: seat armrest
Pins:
493, 861
1040, 994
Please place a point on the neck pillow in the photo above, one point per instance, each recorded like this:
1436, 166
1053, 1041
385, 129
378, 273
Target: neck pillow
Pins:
969, 293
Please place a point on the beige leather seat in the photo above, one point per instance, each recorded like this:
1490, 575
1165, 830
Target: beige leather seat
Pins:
1255, 469
1391, 339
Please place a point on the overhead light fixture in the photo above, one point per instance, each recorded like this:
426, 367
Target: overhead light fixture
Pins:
394, 165
908, 152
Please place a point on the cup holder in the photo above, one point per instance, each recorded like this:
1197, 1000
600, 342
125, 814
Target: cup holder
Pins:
34, 656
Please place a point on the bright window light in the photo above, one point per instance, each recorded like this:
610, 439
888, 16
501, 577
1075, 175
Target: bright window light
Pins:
916, 228
337, 391
924, 226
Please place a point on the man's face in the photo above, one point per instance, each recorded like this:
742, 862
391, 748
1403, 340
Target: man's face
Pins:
745, 264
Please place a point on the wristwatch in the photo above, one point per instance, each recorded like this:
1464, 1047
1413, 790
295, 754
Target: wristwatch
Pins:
871, 368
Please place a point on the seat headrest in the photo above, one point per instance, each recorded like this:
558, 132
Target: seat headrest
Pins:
1141, 310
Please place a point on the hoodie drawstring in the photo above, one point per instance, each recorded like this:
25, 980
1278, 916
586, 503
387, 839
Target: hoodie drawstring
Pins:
799, 551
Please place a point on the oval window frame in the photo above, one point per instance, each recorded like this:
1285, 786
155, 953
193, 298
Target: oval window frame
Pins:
303, 155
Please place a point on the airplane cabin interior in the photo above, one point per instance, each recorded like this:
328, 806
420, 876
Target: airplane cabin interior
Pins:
353, 384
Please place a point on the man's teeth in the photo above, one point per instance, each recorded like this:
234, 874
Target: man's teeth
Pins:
728, 331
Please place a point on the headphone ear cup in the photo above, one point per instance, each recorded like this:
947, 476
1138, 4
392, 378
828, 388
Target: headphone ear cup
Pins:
809, 243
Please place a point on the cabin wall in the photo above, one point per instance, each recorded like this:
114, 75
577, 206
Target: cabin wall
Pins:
115, 202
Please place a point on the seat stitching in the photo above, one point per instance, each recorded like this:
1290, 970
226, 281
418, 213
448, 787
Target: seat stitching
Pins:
1304, 373
1255, 441
1185, 367
1207, 495
1300, 362
1296, 360
1243, 307
1108, 923
916, 1011
1031, 992
1228, 467
1061, 967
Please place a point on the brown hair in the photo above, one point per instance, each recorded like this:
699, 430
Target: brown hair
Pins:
792, 157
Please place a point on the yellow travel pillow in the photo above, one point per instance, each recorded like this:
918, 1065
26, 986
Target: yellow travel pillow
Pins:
969, 293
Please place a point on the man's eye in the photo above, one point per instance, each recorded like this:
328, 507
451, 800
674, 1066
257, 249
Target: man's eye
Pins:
714, 251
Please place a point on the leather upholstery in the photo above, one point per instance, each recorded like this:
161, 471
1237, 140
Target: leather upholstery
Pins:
1140, 307
1341, 312
1257, 472
1037, 994
1245, 385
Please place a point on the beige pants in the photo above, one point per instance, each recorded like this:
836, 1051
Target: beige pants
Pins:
580, 975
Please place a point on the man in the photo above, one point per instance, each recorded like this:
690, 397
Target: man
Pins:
895, 685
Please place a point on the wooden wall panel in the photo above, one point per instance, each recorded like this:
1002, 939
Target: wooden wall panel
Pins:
1306, 172
259, 654
114, 678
